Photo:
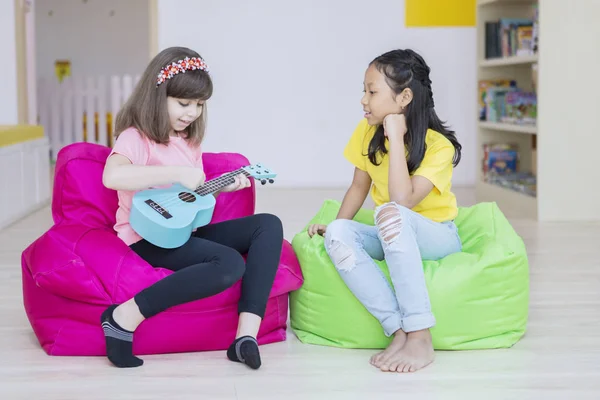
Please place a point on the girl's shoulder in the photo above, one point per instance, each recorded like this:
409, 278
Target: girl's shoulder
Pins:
357, 147
435, 140
438, 148
132, 135
362, 135
364, 130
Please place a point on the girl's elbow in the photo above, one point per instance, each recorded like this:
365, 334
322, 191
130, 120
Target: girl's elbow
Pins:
108, 179
404, 201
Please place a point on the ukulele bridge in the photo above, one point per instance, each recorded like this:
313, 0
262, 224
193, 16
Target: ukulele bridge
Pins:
156, 207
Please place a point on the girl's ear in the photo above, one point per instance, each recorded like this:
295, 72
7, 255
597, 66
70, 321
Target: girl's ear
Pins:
404, 98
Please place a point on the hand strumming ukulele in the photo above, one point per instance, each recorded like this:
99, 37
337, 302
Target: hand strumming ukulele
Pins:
167, 217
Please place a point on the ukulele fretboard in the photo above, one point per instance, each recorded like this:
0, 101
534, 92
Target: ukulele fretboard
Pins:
216, 184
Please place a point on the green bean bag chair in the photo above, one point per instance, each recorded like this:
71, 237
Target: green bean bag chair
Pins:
480, 297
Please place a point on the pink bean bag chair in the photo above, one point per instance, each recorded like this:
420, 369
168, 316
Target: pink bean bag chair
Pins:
79, 267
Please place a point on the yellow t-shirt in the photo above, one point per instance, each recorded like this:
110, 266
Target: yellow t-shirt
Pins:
440, 204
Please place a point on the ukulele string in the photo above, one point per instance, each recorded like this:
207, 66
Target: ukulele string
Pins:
187, 196
208, 188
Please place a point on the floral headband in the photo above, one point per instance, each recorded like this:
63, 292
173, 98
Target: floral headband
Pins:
181, 66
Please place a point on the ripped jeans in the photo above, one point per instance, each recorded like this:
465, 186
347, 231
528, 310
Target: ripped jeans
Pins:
404, 239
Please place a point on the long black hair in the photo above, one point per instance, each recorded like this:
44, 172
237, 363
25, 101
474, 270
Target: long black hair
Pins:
407, 69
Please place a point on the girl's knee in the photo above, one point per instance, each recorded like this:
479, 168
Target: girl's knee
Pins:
338, 244
232, 268
270, 223
390, 218
336, 231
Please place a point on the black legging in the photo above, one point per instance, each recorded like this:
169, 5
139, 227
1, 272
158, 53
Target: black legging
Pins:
211, 261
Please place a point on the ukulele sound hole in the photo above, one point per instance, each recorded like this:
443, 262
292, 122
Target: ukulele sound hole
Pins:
187, 197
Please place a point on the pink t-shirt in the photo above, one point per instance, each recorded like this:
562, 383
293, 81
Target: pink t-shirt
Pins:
143, 151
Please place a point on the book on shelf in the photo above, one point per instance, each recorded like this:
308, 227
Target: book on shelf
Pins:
501, 168
499, 159
519, 108
522, 182
502, 101
508, 37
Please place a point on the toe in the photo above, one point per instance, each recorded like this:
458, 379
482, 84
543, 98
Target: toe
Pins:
385, 367
385, 358
406, 368
394, 365
382, 358
375, 358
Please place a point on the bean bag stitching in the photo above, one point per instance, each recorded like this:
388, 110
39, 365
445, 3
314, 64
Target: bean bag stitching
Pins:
91, 271
58, 173
118, 269
279, 317
118, 274
285, 265
52, 343
38, 274
69, 264
57, 195
50, 234
56, 337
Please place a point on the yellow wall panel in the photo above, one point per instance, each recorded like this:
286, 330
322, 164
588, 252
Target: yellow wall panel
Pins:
440, 13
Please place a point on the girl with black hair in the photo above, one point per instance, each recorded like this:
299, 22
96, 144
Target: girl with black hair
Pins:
404, 155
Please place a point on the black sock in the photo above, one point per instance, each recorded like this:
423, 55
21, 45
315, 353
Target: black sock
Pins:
245, 350
119, 342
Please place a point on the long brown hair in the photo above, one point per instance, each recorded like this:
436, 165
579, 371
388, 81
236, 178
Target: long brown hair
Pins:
146, 108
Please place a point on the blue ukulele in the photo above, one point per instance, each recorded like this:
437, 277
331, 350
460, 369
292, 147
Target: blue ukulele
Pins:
167, 217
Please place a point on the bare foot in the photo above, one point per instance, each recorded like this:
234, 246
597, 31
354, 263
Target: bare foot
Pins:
393, 347
416, 353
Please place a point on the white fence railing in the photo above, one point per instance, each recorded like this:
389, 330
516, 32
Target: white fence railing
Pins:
81, 108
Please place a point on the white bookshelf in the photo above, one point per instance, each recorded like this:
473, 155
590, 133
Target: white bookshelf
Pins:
507, 61
566, 134
518, 68
515, 128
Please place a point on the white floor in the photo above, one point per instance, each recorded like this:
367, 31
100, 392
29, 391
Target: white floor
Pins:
558, 359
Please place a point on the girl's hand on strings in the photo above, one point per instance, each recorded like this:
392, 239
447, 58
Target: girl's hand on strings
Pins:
241, 182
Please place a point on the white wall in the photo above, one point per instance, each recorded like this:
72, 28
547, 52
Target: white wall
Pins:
94, 41
8, 59
288, 77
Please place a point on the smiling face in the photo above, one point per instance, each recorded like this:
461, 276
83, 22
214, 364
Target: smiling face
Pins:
183, 112
379, 99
